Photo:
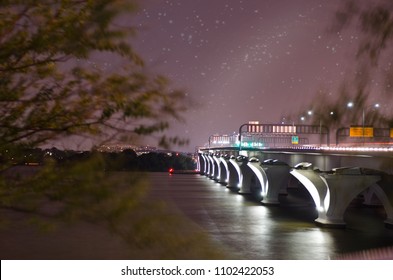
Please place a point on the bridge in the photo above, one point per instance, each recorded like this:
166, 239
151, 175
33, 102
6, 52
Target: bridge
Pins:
263, 160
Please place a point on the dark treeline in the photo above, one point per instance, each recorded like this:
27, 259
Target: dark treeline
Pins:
127, 160
153, 161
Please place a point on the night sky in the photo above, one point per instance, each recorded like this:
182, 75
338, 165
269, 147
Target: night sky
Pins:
243, 60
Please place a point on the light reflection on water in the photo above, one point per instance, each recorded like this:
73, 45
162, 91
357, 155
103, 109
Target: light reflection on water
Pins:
253, 231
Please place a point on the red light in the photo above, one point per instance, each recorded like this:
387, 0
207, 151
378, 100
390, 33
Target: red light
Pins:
171, 170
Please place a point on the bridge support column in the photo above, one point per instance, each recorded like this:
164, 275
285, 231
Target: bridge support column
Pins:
247, 175
211, 168
235, 174
277, 173
333, 191
202, 164
217, 169
224, 170
343, 189
264, 180
384, 191
207, 165
258, 187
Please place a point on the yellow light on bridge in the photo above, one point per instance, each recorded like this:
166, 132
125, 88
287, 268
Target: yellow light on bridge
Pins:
358, 131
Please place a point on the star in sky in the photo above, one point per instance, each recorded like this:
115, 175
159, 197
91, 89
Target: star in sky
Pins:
243, 60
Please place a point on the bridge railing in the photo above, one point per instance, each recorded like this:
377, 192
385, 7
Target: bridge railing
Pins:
255, 135
267, 141
274, 135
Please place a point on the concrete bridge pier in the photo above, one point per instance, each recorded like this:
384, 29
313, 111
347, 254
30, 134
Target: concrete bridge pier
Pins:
258, 180
315, 185
246, 175
217, 168
344, 185
266, 180
277, 173
208, 165
235, 174
333, 191
212, 166
223, 177
384, 191
202, 163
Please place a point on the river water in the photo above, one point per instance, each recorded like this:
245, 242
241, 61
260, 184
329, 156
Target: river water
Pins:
249, 230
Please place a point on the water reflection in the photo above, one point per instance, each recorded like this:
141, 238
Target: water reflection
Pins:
253, 231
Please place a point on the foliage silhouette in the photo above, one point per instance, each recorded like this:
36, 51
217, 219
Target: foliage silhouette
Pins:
52, 89
373, 74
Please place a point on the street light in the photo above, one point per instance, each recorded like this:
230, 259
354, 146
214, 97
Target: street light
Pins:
376, 105
310, 113
210, 139
363, 120
350, 104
